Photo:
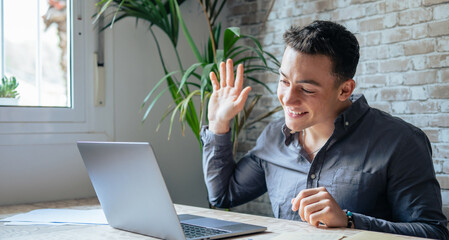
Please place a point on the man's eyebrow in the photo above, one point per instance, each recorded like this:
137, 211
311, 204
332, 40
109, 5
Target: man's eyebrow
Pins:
306, 81
283, 74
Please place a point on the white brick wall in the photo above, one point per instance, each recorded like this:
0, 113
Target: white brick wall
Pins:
404, 65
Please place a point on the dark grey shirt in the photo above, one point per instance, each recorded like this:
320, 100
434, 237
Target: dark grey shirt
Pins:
375, 165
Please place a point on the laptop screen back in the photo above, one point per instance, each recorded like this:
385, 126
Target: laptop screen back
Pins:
130, 188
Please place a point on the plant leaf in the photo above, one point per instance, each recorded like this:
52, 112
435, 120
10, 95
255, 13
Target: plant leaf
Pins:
156, 86
220, 56
254, 40
187, 33
152, 103
105, 4
205, 77
187, 74
202, 109
248, 110
264, 115
261, 83
168, 110
172, 118
231, 36
214, 18
273, 59
174, 21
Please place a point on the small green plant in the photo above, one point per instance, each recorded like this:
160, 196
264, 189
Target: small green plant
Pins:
8, 88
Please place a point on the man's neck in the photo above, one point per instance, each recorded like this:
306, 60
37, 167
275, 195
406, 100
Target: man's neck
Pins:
318, 134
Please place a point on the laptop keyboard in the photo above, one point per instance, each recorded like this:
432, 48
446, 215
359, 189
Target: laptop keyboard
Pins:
193, 231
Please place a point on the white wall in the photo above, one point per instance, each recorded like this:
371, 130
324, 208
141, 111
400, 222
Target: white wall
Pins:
46, 166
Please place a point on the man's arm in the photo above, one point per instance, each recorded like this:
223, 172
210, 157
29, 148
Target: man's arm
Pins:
432, 229
229, 184
413, 193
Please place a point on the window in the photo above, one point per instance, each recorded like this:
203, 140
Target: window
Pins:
37, 42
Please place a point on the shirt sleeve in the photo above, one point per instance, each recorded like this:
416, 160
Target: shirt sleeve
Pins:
229, 183
413, 193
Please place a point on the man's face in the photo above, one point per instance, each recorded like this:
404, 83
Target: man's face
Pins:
307, 90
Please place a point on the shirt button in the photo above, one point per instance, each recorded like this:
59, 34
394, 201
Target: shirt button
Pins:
312, 176
347, 123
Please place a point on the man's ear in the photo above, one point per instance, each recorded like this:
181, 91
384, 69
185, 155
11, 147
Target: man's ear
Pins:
345, 90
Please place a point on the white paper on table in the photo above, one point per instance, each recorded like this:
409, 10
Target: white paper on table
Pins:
43, 223
309, 236
58, 217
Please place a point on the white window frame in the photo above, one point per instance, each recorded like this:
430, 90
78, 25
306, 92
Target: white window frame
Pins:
20, 123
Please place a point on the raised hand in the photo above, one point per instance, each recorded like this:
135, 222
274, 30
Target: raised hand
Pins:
227, 98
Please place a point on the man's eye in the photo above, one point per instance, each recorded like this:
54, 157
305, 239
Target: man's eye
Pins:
283, 81
307, 91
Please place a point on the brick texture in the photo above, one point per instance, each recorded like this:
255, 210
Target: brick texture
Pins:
439, 28
403, 69
414, 16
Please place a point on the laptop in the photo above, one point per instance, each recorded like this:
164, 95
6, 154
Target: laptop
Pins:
134, 197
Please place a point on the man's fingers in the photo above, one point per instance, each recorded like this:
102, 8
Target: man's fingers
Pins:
319, 216
240, 102
312, 209
229, 73
314, 218
214, 81
303, 194
223, 74
239, 78
305, 202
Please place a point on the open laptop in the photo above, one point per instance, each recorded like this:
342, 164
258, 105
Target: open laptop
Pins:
134, 197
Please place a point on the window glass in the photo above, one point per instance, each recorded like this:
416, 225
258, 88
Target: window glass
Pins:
36, 51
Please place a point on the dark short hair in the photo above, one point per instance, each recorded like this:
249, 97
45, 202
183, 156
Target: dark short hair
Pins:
329, 39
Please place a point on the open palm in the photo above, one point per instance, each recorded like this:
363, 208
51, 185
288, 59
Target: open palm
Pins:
227, 98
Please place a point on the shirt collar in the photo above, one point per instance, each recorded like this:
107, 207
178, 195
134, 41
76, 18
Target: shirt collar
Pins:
289, 136
344, 121
353, 113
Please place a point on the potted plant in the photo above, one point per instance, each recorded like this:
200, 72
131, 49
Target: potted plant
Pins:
8, 92
186, 85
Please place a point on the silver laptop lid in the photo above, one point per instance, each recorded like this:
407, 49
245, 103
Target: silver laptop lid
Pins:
127, 205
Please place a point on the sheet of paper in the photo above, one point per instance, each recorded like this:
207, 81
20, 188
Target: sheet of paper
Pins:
42, 223
58, 217
374, 236
309, 236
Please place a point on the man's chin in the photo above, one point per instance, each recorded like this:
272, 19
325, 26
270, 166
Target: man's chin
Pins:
295, 124
294, 127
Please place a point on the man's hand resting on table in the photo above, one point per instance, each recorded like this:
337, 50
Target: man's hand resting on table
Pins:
316, 205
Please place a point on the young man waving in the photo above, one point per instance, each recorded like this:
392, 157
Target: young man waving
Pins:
332, 159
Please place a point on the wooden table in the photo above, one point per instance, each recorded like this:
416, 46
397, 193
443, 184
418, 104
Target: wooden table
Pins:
36, 232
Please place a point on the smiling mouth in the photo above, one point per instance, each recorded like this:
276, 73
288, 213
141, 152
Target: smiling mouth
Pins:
295, 114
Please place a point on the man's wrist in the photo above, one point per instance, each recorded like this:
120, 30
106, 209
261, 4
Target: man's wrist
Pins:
218, 127
350, 218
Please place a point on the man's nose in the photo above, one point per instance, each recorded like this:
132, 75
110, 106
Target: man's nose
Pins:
291, 97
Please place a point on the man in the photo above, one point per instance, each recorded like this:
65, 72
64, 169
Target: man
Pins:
332, 159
